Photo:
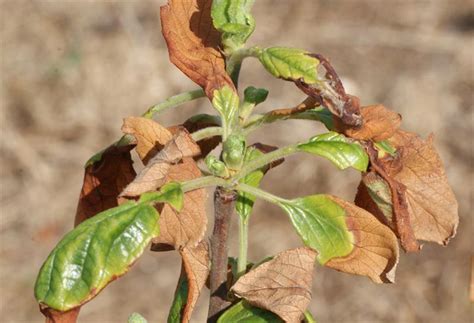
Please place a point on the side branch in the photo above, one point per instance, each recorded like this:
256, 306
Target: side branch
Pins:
224, 205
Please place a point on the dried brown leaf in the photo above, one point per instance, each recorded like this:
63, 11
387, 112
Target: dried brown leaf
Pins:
400, 222
103, 182
332, 95
177, 229
193, 43
281, 285
431, 203
149, 135
380, 123
375, 252
196, 267
187, 227
154, 174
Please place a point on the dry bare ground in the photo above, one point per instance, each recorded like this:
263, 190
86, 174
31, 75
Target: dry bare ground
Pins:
71, 70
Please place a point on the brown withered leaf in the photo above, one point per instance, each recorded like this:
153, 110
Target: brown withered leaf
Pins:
196, 123
103, 182
332, 95
375, 252
196, 266
431, 203
400, 221
154, 174
53, 316
187, 227
380, 123
281, 285
150, 136
193, 43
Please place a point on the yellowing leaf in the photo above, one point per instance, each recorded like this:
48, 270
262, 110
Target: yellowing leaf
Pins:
290, 64
149, 135
281, 285
193, 43
104, 179
95, 253
375, 253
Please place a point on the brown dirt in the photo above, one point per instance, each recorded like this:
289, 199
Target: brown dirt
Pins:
72, 70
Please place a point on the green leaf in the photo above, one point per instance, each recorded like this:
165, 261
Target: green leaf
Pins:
233, 19
226, 102
338, 149
242, 312
245, 201
171, 193
254, 95
179, 301
290, 64
321, 224
96, 252
136, 318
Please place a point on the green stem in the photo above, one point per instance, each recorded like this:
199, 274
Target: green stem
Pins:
173, 102
265, 160
243, 246
234, 62
203, 181
264, 195
308, 317
206, 133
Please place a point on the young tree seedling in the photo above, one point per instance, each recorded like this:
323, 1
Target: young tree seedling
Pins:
403, 196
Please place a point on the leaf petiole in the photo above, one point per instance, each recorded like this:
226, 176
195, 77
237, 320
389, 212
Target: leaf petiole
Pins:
174, 101
206, 133
234, 61
266, 159
264, 195
203, 181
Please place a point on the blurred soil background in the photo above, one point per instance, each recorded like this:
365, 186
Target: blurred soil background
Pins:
71, 70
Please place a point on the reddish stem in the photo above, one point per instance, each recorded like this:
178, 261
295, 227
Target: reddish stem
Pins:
224, 205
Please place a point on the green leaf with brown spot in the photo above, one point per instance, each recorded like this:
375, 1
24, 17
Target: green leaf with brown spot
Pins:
96, 252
